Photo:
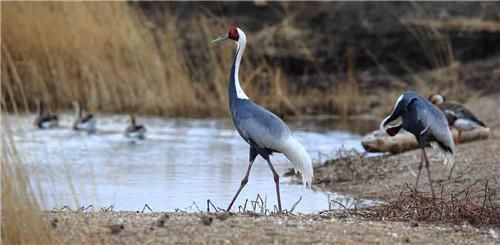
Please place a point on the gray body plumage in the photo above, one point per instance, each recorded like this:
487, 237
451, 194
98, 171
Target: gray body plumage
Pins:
422, 119
427, 123
255, 124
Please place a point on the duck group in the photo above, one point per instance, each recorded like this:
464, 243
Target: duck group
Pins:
84, 122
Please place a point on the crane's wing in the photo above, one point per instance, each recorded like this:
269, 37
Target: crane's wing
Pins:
261, 126
435, 122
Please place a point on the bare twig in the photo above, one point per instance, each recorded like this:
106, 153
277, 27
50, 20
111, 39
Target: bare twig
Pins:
295, 204
146, 206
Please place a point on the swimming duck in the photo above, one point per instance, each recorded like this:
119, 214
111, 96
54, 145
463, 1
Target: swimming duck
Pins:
134, 130
44, 121
86, 123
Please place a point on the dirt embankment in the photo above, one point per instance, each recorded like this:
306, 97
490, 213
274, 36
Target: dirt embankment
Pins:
181, 228
384, 177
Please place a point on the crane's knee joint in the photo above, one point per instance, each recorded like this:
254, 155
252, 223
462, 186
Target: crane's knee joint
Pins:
276, 178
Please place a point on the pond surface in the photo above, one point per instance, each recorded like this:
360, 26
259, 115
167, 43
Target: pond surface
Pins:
180, 162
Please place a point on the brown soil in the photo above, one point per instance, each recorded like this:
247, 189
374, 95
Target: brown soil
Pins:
181, 228
384, 177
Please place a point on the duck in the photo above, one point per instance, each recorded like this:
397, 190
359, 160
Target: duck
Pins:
42, 120
134, 130
458, 116
85, 123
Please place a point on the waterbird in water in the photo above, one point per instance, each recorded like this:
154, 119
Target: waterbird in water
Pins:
427, 123
457, 115
86, 123
42, 120
134, 130
265, 132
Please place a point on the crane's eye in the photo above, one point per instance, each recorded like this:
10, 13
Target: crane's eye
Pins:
233, 34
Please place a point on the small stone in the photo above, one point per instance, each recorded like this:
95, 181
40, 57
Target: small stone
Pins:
413, 223
207, 220
223, 216
160, 222
116, 228
54, 222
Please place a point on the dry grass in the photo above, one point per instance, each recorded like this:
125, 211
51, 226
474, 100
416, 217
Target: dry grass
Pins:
113, 58
22, 219
116, 60
458, 209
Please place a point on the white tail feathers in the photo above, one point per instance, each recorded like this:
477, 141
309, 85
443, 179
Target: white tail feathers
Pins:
448, 158
300, 160
449, 162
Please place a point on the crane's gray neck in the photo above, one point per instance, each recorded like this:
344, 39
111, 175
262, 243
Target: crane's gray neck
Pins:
235, 90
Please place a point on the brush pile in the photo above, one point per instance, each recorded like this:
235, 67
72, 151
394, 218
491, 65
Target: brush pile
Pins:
460, 208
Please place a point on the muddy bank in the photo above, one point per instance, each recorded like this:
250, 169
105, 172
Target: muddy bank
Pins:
384, 177
182, 228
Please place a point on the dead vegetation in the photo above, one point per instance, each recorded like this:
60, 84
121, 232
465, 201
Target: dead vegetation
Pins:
455, 209
117, 58
22, 221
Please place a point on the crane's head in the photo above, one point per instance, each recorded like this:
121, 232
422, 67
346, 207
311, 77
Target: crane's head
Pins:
397, 112
436, 99
233, 34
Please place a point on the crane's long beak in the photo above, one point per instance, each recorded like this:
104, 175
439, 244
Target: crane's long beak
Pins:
220, 39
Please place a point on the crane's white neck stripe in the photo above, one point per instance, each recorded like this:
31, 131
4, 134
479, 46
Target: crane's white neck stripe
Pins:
382, 127
239, 53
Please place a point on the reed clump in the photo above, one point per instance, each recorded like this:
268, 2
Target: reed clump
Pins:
22, 219
118, 57
112, 57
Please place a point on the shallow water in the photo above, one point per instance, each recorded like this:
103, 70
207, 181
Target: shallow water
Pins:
180, 162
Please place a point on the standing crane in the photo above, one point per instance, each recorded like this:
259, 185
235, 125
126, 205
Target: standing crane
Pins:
427, 123
42, 120
458, 116
265, 132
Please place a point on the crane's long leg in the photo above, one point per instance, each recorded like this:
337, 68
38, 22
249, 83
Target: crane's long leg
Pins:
244, 181
429, 173
277, 182
420, 168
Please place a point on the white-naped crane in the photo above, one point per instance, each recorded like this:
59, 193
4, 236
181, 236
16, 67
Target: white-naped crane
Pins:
458, 116
134, 130
427, 123
44, 120
265, 132
82, 122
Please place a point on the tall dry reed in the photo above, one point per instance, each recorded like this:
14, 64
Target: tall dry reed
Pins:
113, 58
22, 219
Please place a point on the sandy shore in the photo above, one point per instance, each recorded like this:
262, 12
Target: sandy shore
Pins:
182, 228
